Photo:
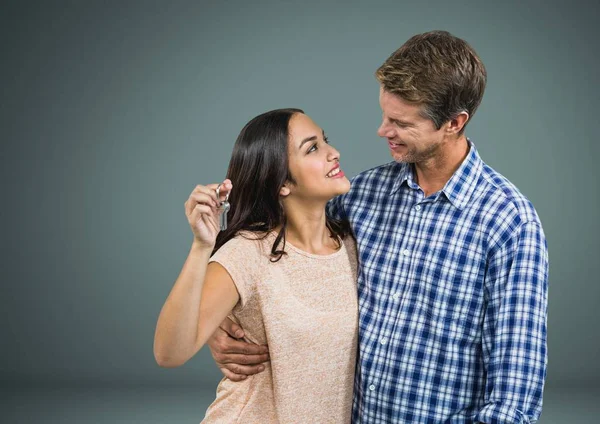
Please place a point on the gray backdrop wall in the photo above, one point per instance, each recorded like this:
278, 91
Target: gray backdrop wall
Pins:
112, 112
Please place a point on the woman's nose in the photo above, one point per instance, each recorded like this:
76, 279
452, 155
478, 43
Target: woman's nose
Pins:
333, 154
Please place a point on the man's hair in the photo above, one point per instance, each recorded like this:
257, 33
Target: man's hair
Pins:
438, 71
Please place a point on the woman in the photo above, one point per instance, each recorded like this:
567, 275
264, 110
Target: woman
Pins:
282, 269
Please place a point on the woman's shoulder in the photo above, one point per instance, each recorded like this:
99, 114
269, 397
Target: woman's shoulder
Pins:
349, 241
350, 244
246, 243
245, 257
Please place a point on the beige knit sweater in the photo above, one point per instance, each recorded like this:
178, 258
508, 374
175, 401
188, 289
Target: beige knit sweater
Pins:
305, 308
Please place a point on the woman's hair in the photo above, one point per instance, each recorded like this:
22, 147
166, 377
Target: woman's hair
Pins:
259, 167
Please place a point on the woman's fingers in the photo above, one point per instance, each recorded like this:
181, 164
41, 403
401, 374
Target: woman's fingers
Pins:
224, 189
210, 220
199, 199
207, 195
200, 211
207, 190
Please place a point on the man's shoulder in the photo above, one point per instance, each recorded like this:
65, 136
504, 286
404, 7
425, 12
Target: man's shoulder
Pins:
501, 192
379, 175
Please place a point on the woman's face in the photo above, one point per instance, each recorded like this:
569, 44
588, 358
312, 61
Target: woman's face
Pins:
314, 163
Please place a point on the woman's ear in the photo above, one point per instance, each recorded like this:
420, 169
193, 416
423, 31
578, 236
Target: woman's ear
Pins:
285, 191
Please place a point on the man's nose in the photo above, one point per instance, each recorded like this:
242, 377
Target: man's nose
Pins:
383, 130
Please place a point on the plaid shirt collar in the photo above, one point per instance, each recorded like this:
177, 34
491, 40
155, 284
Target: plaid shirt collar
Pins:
459, 188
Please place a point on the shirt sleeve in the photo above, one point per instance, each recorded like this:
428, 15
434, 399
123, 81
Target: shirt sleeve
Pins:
335, 208
242, 259
514, 329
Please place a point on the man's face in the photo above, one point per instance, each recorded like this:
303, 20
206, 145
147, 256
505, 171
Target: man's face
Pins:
411, 137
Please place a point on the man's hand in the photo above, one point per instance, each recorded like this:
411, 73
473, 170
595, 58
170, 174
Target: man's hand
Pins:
236, 358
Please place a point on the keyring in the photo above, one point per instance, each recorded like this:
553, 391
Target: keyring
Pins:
219, 196
224, 208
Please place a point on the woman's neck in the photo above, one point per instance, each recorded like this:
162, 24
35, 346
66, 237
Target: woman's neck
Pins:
307, 228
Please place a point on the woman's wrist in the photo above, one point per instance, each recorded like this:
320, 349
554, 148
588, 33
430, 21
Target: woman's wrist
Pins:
200, 247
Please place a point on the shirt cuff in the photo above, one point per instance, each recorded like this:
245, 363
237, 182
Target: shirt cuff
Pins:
498, 413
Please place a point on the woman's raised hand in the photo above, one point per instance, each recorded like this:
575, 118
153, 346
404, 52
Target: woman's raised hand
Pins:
202, 212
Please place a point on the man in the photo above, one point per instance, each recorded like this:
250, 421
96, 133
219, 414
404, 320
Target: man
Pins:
453, 260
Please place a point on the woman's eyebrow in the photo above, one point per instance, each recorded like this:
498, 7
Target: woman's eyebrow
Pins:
306, 140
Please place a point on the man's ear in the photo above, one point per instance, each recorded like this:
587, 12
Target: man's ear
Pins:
456, 124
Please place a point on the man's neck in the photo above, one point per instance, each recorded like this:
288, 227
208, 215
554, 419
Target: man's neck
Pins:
433, 173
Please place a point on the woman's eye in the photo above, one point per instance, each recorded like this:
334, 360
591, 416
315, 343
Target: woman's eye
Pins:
312, 149
326, 140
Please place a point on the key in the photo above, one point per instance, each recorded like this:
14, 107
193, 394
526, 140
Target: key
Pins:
223, 217
224, 208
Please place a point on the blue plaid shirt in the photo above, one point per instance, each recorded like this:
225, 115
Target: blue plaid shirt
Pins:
452, 298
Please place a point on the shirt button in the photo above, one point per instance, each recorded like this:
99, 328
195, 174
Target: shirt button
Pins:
396, 296
384, 341
405, 252
372, 387
418, 207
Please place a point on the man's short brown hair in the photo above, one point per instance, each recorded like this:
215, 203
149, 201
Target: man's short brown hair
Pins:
437, 70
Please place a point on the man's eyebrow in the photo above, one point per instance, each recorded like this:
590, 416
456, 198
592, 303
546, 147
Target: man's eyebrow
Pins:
306, 140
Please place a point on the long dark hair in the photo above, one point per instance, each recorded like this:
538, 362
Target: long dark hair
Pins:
259, 168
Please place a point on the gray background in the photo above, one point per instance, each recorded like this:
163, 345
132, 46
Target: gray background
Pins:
112, 112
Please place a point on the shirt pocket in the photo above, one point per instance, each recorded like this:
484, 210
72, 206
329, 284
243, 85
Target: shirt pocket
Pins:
450, 305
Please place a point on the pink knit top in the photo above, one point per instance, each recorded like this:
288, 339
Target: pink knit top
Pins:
305, 308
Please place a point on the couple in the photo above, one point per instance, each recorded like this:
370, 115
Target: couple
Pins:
449, 321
